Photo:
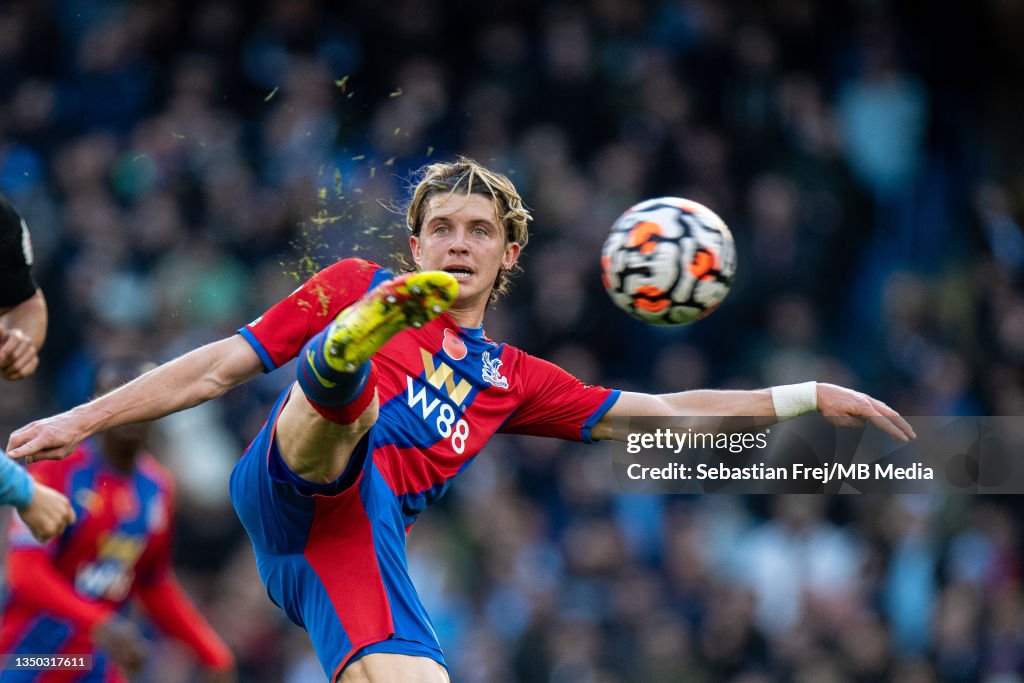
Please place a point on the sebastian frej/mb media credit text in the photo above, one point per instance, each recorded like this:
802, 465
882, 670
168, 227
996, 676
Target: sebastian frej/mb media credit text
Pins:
807, 455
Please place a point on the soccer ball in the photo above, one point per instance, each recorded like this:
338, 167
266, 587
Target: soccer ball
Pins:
668, 261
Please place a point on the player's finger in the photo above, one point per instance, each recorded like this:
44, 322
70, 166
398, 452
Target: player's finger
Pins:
28, 453
11, 344
25, 365
22, 367
55, 452
884, 423
45, 454
902, 425
16, 439
22, 349
10, 360
38, 443
897, 420
26, 440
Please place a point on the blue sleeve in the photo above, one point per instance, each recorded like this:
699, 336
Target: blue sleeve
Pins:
598, 414
268, 362
16, 486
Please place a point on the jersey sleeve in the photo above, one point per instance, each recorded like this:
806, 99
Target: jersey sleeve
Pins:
556, 404
278, 335
16, 487
16, 284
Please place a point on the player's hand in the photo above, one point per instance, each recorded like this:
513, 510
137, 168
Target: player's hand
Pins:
18, 355
50, 439
121, 639
47, 514
847, 408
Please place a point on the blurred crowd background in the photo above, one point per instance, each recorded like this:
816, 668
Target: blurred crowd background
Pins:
183, 165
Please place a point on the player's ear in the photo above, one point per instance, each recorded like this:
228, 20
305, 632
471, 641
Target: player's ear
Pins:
512, 250
414, 248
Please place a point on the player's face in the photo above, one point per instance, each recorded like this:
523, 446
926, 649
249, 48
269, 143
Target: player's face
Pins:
463, 236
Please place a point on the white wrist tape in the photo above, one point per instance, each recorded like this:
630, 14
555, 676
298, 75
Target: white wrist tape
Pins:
791, 400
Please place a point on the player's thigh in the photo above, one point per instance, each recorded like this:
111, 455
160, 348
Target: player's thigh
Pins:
384, 667
314, 447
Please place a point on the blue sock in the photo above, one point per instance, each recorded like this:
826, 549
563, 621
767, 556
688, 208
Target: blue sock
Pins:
321, 383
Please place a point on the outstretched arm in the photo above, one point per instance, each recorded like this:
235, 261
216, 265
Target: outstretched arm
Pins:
840, 406
187, 381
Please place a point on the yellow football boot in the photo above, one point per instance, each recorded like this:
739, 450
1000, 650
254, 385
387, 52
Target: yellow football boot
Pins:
410, 300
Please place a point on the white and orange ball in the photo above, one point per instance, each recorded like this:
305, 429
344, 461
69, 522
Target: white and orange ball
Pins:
668, 261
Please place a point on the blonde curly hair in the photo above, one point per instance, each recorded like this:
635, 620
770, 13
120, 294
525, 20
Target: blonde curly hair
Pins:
470, 177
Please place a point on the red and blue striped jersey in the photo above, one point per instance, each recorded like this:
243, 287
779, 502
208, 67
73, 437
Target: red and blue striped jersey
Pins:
444, 390
334, 558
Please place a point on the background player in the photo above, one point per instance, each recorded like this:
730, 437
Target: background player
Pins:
23, 314
23, 320
380, 441
66, 597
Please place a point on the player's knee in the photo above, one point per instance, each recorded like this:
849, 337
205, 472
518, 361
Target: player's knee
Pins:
367, 418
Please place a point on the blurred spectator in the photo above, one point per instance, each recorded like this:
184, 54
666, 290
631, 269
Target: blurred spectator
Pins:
799, 563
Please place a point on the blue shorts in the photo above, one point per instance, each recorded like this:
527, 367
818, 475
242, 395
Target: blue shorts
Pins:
332, 556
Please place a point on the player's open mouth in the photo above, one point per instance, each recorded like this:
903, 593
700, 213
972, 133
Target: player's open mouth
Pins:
459, 273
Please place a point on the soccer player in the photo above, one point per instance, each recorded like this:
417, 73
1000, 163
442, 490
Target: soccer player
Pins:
23, 322
398, 389
67, 597
23, 315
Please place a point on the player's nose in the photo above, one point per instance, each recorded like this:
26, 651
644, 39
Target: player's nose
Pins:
459, 243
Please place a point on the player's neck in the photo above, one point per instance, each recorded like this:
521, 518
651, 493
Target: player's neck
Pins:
123, 464
121, 456
468, 316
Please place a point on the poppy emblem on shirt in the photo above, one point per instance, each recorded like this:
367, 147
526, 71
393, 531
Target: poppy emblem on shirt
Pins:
453, 345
